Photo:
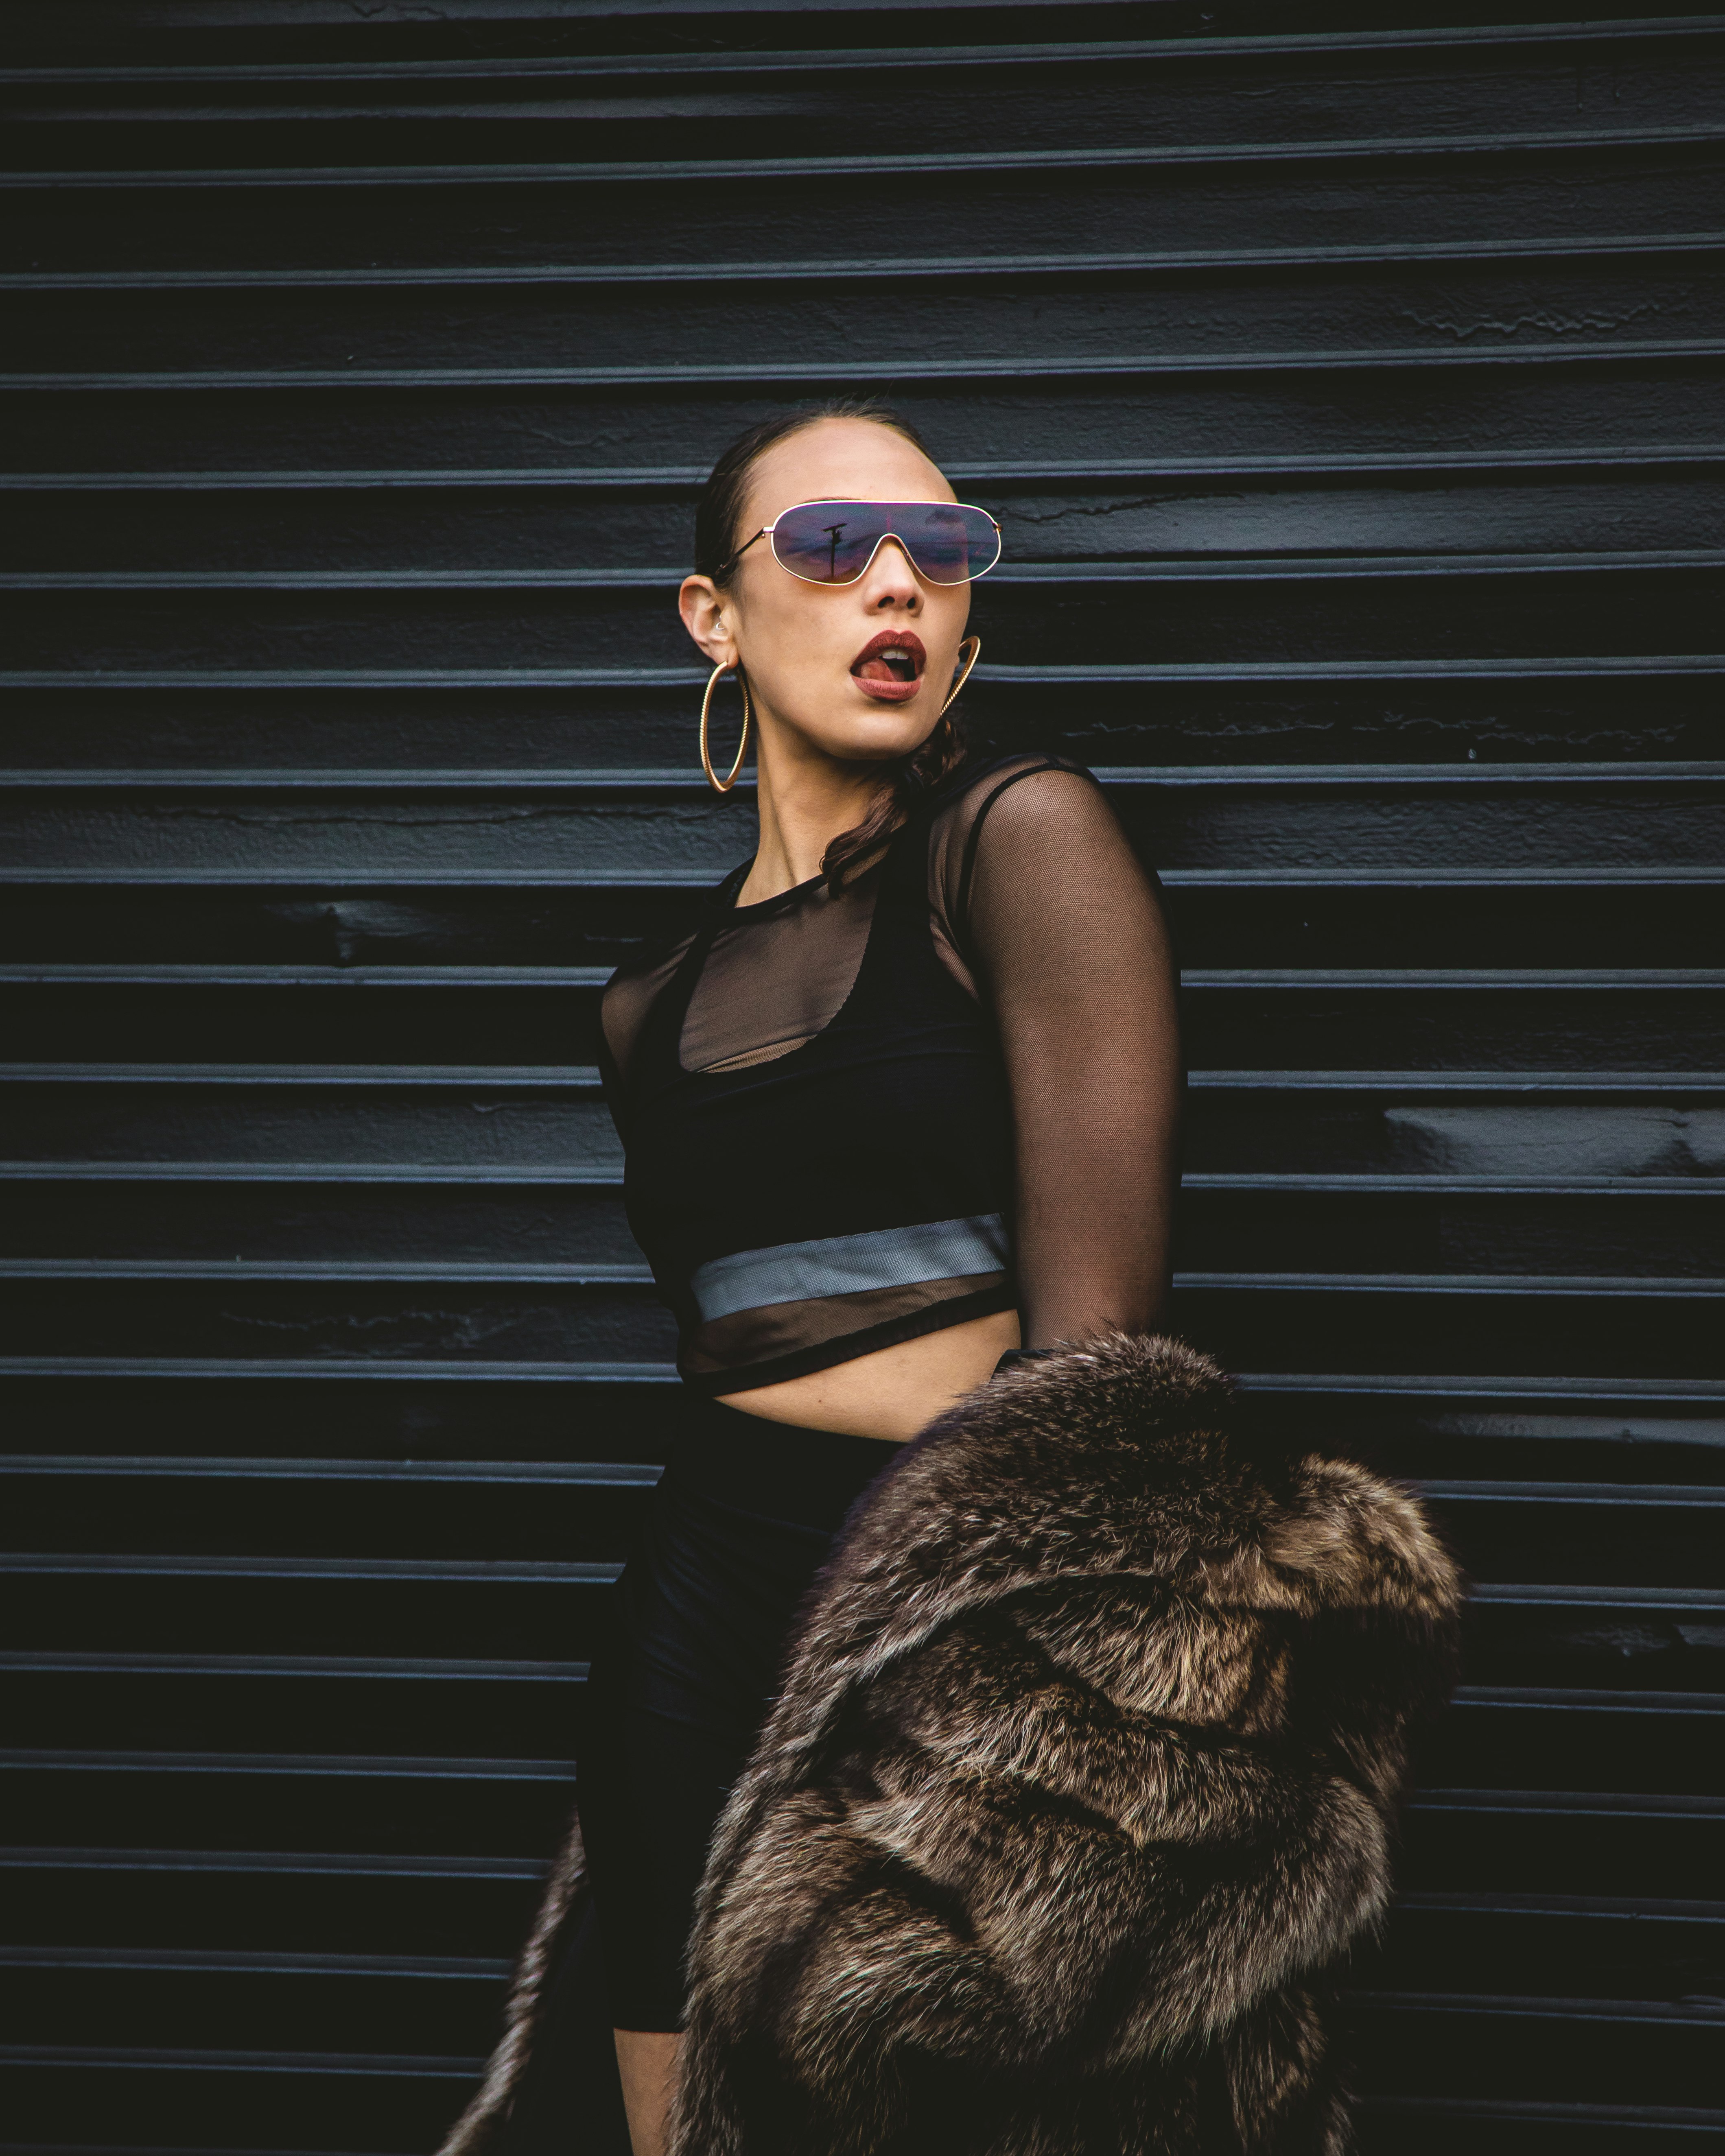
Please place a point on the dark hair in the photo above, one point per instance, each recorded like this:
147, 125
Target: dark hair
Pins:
717, 516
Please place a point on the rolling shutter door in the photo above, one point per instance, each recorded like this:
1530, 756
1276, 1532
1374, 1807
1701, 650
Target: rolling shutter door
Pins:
1350, 391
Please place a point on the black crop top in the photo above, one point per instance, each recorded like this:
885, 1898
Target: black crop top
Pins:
950, 1088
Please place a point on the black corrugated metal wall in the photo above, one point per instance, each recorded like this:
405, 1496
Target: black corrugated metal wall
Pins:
1349, 385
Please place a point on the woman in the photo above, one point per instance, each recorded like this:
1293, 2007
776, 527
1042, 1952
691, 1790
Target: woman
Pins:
968, 1019
900, 1110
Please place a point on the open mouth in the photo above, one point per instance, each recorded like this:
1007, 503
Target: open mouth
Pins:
890, 666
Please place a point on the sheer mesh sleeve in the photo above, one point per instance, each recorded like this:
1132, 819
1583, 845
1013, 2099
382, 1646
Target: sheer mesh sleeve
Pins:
1048, 906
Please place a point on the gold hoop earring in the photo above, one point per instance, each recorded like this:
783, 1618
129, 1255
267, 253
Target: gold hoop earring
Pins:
724, 785
975, 644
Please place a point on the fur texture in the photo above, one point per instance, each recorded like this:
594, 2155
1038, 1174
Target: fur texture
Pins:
494, 2098
1081, 1783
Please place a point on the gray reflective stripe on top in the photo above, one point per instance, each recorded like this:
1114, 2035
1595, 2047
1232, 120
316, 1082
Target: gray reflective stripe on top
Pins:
842, 1265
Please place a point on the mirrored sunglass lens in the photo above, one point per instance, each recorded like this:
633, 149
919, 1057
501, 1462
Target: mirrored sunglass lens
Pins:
829, 543
946, 541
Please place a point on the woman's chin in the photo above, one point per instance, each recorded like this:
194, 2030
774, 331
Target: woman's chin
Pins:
876, 736
861, 729
896, 721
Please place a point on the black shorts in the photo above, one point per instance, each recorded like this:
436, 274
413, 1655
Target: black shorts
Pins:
690, 1658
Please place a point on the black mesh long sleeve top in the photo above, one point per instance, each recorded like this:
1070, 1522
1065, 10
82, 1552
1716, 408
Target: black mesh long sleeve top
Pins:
951, 1087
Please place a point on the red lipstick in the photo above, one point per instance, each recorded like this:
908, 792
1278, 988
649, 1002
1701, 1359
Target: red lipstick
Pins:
890, 666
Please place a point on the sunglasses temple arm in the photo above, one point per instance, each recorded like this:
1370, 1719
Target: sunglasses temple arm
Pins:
731, 561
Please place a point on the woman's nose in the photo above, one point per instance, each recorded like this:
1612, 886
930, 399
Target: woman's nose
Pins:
890, 581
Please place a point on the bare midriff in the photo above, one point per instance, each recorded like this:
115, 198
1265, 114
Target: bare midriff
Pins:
893, 1393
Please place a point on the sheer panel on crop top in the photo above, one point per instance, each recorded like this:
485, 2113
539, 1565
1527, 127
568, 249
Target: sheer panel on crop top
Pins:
1040, 914
780, 975
775, 976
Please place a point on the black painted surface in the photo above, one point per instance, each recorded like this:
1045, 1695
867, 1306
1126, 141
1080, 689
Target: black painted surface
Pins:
1349, 386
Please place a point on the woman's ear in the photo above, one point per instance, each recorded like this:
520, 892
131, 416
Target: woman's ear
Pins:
706, 616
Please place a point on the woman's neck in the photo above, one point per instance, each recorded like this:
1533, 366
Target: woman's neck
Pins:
804, 800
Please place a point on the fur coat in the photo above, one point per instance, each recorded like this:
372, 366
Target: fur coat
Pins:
1082, 1785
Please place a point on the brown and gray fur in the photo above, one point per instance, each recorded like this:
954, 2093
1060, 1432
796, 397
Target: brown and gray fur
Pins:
1080, 1786
523, 2009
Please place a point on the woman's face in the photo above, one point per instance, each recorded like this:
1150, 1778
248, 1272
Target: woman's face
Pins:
859, 671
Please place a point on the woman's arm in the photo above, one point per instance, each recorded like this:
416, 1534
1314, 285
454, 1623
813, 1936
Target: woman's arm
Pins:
1066, 931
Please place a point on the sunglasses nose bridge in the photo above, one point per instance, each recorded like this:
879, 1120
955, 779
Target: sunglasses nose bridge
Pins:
909, 571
